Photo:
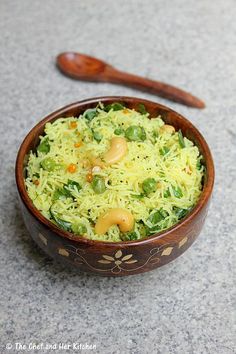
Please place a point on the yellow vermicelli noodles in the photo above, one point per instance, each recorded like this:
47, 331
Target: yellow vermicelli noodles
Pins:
60, 172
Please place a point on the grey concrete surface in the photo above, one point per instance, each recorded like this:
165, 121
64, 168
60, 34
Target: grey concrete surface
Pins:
186, 307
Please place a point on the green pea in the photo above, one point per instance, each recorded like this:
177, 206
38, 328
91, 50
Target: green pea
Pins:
44, 146
149, 185
60, 166
98, 184
48, 164
79, 229
119, 131
135, 133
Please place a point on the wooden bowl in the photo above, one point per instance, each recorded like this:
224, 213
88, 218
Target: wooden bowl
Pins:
118, 258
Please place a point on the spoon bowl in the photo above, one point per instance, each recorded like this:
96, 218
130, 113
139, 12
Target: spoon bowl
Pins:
80, 66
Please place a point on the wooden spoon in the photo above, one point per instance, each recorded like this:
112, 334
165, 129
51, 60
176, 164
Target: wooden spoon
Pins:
84, 67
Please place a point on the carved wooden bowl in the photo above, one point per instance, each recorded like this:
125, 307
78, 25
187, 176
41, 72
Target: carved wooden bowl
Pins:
118, 258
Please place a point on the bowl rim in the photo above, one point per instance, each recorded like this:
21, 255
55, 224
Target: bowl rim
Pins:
19, 165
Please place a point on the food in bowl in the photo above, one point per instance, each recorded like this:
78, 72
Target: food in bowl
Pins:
113, 174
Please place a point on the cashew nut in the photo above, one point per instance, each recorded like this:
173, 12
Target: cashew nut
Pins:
121, 217
117, 150
168, 129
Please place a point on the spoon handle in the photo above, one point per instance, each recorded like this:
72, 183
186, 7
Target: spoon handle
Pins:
159, 88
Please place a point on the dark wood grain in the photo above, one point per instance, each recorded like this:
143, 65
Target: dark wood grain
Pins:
84, 67
129, 257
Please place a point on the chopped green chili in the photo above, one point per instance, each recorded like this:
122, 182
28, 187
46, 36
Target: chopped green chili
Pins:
164, 150
60, 194
199, 164
156, 216
129, 236
65, 225
167, 193
142, 108
177, 192
90, 113
44, 146
181, 212
138, 196
116, 106
72, 185
97, 136
67, 190
181, 139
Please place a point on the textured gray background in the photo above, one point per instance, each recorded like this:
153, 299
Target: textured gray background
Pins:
187, 306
